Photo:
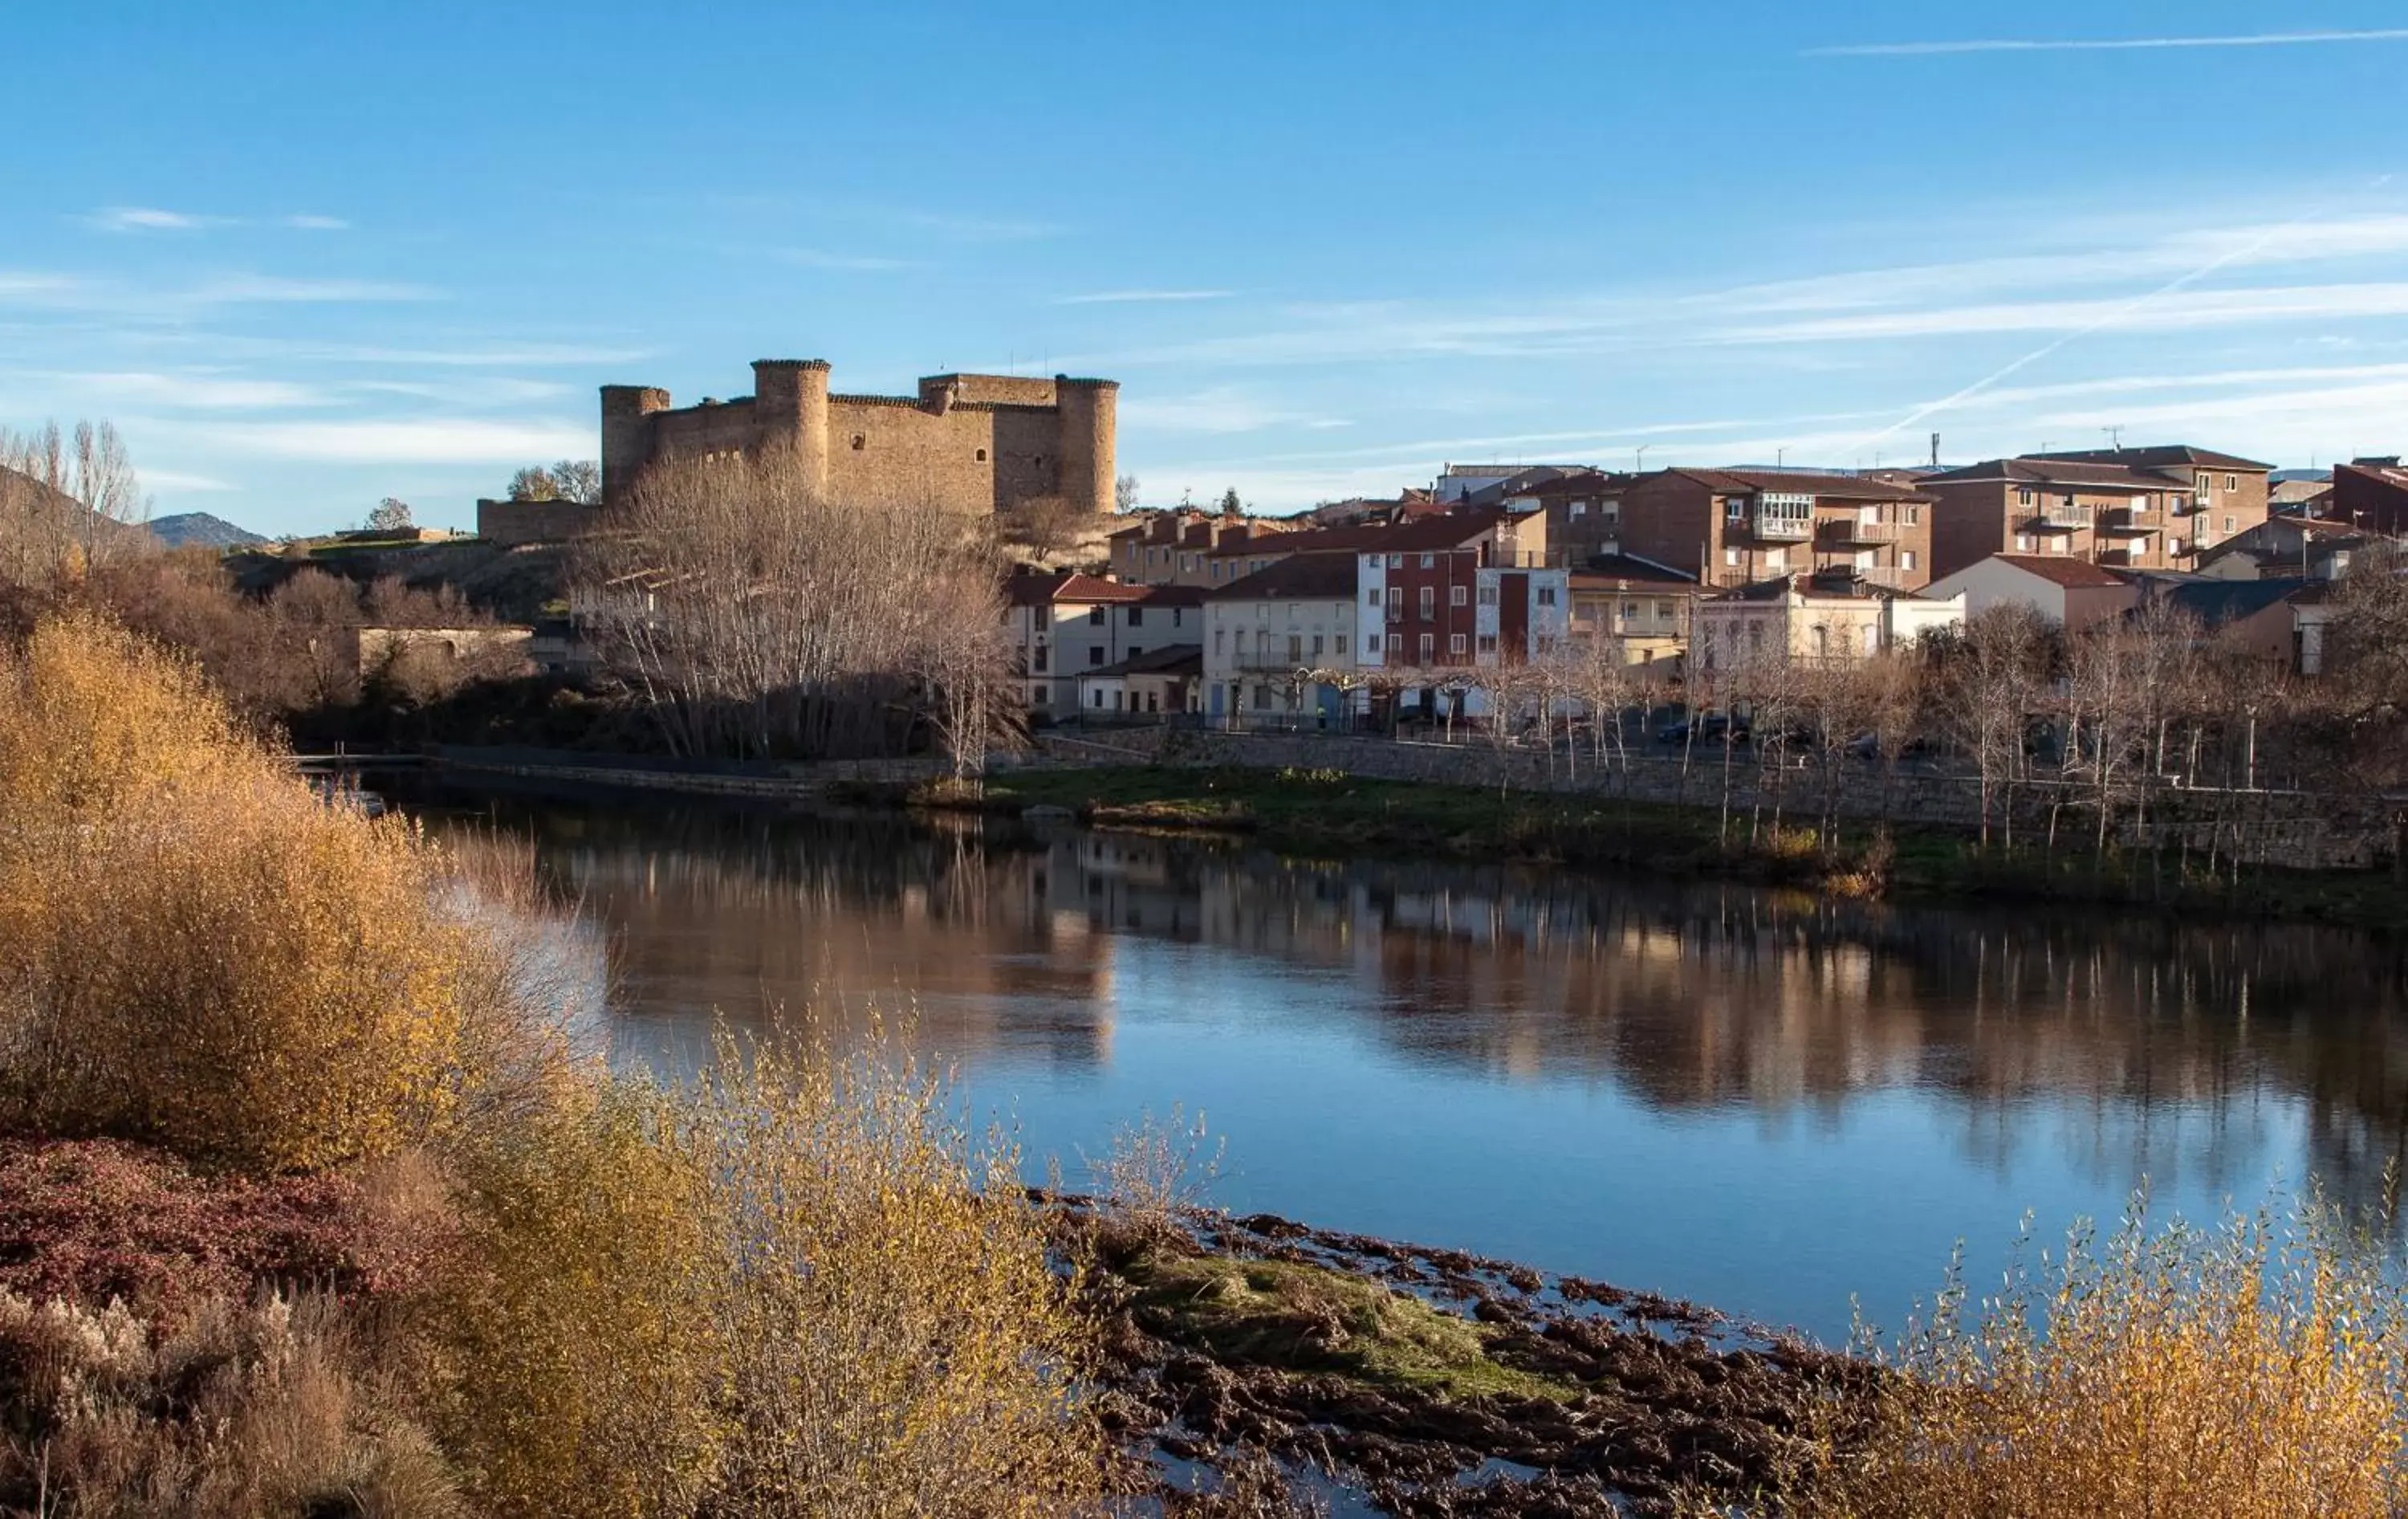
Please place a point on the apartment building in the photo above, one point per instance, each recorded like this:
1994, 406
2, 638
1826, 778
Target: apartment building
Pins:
2070, 592
1583, 511
2156, 508
1494, 535
1176, 548
2371, 494
1733, 527
1797, 619
1640, 610
1063, 626
1266, 634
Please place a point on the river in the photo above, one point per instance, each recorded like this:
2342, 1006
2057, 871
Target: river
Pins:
1769, 1103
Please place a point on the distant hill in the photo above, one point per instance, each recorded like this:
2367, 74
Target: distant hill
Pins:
199, 530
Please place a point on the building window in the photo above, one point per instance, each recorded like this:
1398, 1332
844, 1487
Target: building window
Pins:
1488, 596
2231, 482
1316, 646
1099, 697
2202, 485
1133, 649
1371, 598
857, 441
1429, 561
1036, 697
1341, 645
1395, 561
1579, 509
1262, 698
1906, 559
2176, 548
1137, 617
1457, 595
1095, 617
2023, 498
1095, 656
1488, 643
1370, 643
1630, 612
1429, 644
981, 455
1546, 595
1455, 644
1735, 508
1730, 558
1041, 659
1218, 635
1911, 515
1429, 599
2227, 525
1262, 612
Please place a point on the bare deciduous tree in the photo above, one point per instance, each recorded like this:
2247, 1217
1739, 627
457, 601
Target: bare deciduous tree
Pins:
68, 502
391, 515
755, 619
534, 483
578, 480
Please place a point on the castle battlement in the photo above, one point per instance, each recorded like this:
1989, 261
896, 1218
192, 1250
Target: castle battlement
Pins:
973, 441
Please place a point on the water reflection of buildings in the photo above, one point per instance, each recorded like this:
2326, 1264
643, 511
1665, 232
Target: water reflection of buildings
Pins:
2135, 1045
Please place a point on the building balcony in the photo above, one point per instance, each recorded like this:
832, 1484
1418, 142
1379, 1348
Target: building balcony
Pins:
2056, 520
1781, 529
2125, 523
1854, 533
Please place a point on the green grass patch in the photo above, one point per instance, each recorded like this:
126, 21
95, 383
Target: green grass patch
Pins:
1330, 814
1308, 1318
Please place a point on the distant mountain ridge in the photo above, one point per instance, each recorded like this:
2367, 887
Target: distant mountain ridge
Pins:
199, 530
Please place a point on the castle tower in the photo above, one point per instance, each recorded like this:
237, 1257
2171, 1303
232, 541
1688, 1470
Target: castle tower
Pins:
1090, 410
626, 433
790, 404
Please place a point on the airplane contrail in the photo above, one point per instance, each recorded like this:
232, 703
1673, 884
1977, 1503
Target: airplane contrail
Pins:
2108, 319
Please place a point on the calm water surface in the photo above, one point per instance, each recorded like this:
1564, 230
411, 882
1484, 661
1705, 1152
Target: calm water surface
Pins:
1764, 1102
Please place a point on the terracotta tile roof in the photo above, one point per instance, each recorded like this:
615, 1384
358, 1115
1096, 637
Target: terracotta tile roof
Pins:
2155, 456
1445, 530
1044, 590
2083, 474
1619, 571
1803, 482
1304, 577
2062, 571
1167, 660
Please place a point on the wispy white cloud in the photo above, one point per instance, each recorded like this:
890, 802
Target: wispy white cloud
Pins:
446, 440
243, 289
2182, 310
819, 258
1117, 297
1220, 408
148, 219
306, 221
2251, 39
183, 391
180, 480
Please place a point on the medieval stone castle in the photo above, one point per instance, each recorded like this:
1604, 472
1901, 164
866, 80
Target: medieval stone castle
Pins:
980, 443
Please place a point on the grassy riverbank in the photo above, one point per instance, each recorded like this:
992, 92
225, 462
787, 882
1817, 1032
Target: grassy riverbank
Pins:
1327, 813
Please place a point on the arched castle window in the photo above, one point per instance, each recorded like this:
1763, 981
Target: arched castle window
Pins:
981, 455
857, 441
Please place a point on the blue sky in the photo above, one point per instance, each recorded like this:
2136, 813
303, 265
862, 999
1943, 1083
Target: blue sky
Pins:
307, 255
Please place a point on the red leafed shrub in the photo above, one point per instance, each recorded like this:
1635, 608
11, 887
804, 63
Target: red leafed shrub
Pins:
96, 1219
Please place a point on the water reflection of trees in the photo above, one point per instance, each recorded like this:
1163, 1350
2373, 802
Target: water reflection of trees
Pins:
2134, 1044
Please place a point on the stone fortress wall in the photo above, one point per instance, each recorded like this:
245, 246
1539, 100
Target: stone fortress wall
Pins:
971, 442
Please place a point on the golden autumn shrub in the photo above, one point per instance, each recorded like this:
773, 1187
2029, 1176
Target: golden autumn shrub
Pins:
2242, 1372
579, 1363
799, 1288
194, 950
894, 1339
